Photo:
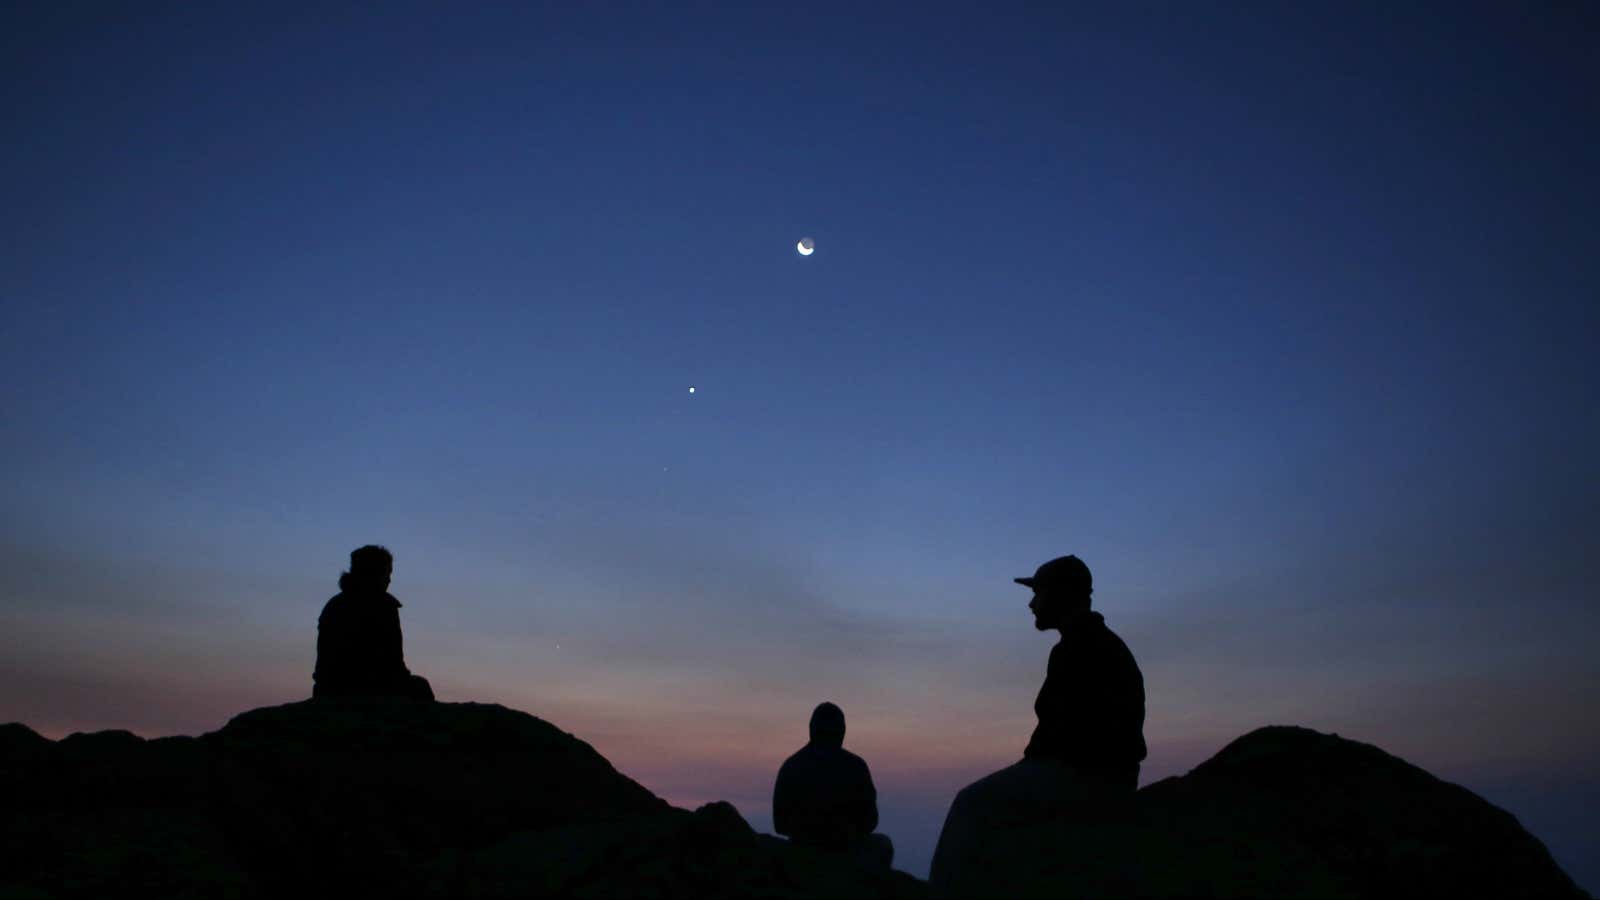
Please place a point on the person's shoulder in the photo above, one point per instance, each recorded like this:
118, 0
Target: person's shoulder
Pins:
798, 769
1110, 636
372, 601
1115, 647
796, 758
1087, 638
831, 757
1096, 631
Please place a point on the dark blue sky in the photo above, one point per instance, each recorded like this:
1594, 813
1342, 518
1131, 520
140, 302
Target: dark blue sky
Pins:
1281, 319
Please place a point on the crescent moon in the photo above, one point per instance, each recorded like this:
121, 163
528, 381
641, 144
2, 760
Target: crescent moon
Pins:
806, 247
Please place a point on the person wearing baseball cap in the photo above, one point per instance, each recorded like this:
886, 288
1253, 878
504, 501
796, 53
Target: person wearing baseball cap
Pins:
1091, 707
1082, 763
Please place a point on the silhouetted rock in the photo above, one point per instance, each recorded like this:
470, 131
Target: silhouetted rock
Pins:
375, 797
315, 792
710, 853
396, 799
1281, 812
111, 815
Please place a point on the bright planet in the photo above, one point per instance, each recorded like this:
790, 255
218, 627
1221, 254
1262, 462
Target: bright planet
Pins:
807, 246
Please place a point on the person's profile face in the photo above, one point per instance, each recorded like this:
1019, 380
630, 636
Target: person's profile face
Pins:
1043, 611
1051, 608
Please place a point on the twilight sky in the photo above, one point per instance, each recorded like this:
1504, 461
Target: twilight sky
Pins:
1282, 320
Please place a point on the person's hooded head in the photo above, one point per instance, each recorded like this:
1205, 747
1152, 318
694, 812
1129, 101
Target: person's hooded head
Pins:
371, 567
827, 725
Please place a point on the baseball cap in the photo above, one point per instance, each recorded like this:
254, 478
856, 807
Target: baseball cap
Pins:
1062, 573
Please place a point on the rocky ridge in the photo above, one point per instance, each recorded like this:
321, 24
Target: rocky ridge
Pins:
404, 800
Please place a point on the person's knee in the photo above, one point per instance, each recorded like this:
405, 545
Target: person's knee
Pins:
880, 850
419, 689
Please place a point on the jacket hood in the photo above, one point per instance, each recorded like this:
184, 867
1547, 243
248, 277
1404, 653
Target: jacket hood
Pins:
827, 726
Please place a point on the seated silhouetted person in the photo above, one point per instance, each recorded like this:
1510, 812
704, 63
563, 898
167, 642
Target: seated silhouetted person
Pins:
1081, 767
359, 649
824, 796
1091, 708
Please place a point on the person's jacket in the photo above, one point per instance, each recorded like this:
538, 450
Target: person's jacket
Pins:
824, 797
1091, 708
359, 647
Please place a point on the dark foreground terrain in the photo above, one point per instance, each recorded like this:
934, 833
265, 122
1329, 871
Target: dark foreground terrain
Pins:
397, 800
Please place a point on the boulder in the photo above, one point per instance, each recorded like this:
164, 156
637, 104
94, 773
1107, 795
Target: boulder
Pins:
400, 799
1280, 812
110, 815
709, 853
381, 797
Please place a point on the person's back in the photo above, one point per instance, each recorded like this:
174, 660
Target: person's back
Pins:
359, 645
824, 796
360, 651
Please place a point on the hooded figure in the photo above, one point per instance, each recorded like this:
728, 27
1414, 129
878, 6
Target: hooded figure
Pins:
824, 795
359, 647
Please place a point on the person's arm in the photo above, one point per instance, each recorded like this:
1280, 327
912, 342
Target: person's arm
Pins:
1112, 706
782, 792
1133, 708
1058, 707
322, 651
394, 652
330, 648
867, 815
